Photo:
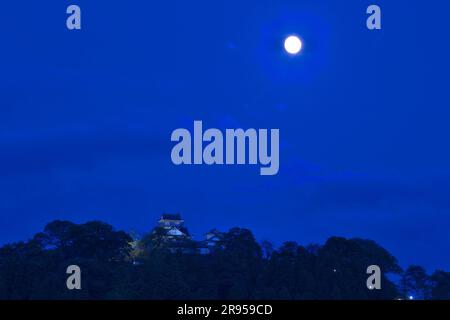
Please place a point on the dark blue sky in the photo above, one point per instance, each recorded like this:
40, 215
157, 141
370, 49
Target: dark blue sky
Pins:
86, 118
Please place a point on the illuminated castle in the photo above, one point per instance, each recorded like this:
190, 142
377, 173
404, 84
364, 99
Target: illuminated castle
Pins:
177, 238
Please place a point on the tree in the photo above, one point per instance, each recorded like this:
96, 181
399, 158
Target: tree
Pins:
267, 249
24, 270
116, 267
416, 283
290, 272
342, 264
90, 240
440, 282
237, 264
37, 269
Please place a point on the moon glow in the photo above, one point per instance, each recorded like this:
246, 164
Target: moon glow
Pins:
293, 45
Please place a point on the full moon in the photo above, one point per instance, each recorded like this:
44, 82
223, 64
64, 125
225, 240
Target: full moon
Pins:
293, 44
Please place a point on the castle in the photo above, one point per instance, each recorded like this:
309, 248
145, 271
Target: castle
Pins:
176, 237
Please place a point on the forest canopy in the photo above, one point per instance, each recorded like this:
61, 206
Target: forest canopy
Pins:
116, 266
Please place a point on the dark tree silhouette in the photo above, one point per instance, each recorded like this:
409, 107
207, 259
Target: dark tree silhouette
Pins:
416, 283
440, 285
158, 266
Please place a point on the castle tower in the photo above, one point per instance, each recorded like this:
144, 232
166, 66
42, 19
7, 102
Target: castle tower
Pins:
173, 225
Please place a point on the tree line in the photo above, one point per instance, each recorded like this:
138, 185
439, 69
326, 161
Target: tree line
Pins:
116, 266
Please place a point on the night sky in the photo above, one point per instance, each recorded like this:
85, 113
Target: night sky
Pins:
86, 118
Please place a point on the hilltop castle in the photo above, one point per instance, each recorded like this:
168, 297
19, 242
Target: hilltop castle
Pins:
176, 237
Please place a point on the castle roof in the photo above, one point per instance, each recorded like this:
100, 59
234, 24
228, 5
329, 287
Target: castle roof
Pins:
175, 232
166, 216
